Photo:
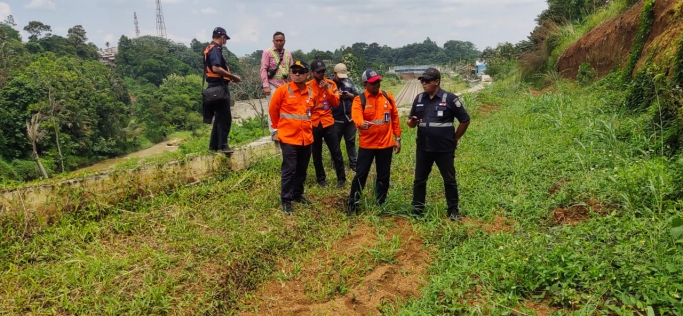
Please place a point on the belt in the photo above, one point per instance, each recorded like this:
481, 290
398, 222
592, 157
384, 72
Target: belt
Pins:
436, 124
380, 122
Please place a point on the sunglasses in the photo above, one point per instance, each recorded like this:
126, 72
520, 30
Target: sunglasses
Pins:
320, 72
426, 81
375, 83
299, 71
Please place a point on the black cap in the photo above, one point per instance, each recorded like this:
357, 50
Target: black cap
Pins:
300, 64
430, 74
318, 65
220, 31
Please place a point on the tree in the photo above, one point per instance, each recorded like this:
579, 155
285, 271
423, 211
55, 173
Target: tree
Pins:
35, 135
36, 29
250, 89
10, 21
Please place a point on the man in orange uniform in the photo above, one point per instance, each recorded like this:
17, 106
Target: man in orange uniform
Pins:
326, 97
290, 111
375, 115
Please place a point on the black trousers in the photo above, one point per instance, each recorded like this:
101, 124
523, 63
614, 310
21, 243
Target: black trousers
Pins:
382, 167
347, 130
329, 135
222, 121
423, 166
294, 164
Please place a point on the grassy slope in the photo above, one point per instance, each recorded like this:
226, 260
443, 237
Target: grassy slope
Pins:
202, 248
622, 259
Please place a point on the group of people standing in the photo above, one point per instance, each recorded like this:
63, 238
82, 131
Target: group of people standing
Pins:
303, 113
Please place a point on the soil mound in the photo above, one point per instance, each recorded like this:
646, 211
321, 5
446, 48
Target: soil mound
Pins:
607, 46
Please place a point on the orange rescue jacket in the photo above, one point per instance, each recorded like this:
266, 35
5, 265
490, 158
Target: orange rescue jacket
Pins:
377, 110
323, 111
290, 113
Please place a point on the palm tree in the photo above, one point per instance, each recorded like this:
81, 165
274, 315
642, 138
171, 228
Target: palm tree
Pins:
35, 135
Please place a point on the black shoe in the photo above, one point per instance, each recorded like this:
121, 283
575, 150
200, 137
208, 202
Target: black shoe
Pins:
303, 200
227, 150
455, 217
351, 209
322, 183
353, 167
417, 213
287, 208
341, 184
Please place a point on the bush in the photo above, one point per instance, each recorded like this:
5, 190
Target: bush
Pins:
28, 170
7, 172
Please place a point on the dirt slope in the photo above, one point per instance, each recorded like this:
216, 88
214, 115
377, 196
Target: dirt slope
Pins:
608, 45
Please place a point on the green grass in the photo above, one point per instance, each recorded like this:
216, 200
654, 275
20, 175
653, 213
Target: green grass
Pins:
206, 248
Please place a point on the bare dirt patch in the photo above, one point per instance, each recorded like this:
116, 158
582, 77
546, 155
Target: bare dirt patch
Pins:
357, 275
607, 46
557, 186
488, 108
500, 224
575, 214
540, 309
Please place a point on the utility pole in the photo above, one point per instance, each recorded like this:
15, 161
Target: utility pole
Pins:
161, 26
137, 29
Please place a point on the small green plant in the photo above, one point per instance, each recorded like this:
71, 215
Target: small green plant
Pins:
586, 74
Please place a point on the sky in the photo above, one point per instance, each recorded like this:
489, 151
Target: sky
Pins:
307, 24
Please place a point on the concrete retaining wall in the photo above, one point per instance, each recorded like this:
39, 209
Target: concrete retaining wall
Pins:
196, 168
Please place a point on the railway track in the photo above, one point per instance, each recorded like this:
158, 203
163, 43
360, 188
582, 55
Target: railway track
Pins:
408, 93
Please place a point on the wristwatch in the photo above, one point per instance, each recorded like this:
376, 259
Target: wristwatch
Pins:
398, 138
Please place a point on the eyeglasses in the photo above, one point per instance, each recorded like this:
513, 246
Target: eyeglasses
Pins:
426, 81
299, 71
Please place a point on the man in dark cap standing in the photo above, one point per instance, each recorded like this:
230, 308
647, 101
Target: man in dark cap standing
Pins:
327, 97
218, 75
434, 112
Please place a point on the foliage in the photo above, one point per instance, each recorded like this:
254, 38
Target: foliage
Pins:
586, 74
644, 28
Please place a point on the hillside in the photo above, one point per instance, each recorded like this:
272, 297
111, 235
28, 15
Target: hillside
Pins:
608, 46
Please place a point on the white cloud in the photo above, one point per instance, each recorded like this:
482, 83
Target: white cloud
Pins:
210, 10
40, 5
4, 11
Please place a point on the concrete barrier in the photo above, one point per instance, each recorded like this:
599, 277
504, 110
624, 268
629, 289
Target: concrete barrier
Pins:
192, 168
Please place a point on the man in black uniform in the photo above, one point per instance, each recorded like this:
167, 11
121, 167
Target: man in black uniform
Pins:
433, 112
342, 113
218, 74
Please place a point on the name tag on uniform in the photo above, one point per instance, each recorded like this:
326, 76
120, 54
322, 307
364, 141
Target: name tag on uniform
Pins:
442, 104
439, 113
419, 105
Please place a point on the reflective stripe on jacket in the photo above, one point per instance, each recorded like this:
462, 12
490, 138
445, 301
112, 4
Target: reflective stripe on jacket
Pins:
381, 134
289, 113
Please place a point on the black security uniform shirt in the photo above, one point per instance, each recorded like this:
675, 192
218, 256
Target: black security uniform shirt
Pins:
214, 57
435, 131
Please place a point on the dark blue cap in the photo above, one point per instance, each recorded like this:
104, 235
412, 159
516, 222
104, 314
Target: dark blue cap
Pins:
220, 31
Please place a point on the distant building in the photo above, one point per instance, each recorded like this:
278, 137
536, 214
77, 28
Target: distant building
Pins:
480, 67
107, 56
